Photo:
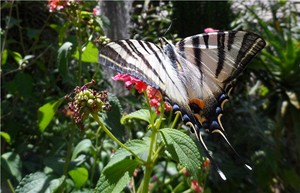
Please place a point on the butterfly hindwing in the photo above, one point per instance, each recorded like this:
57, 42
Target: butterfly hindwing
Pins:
215, 59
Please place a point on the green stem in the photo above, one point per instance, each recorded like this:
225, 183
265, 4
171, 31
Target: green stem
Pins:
152, 155
96, 153
79, 42
11, 187
149, 164
175, 120
95, 116
69, 152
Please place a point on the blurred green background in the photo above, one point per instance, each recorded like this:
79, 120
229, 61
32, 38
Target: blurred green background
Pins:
42, 60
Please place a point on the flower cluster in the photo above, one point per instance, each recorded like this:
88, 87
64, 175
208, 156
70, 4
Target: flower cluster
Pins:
97, 10
196, 187
56, 5
87, 101
154, 95
206, 165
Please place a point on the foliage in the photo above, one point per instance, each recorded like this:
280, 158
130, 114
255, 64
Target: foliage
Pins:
46, 55
45, 150
267, 112
152, 20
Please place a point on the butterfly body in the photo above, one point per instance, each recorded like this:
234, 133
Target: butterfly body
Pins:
194, 74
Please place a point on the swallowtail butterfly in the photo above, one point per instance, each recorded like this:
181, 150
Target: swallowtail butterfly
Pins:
195, 74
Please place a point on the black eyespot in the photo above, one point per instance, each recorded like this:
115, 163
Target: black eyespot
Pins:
195, 108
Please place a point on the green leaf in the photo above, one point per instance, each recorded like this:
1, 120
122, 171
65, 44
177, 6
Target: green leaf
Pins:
4, 55
79, 176
6, 137
63, 58
182, 149
89, 53
114, 179
11, 166
142, 114
112, 118
46, 113
137, 146
84, 146
16, 56
117, 173
39, 182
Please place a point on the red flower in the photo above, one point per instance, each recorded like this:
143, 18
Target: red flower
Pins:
209, 29
196, 187
57, 4
97, 11
154, 95
129, 81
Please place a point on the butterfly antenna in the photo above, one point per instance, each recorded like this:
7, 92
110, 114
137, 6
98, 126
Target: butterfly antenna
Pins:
232, 148
168, 29
202, 143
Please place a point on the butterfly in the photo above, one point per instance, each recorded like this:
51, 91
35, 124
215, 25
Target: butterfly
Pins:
195, 74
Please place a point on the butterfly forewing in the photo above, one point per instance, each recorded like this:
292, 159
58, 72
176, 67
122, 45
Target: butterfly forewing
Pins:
146, 61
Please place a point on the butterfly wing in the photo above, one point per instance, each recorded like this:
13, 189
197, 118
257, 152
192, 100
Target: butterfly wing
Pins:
209, 62
147, 62
195, 74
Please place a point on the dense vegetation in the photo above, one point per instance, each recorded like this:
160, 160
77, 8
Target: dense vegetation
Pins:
54, 140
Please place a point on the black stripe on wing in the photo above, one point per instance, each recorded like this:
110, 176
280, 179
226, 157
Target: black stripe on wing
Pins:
144, 59
221, 53
111, 58
231, 37
250, 46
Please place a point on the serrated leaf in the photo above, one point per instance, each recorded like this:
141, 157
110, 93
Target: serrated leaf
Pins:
46, 113
137, 146
117, 173
182, 149
83, 146
142, 114
79, 176
114, 179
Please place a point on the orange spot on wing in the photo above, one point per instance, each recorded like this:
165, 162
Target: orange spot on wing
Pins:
198, 102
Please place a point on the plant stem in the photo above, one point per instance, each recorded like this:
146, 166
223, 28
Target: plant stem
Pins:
69, 152
149, 164
79, 46
152, 155
95, 116
96, 153
175, 120
11, 187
